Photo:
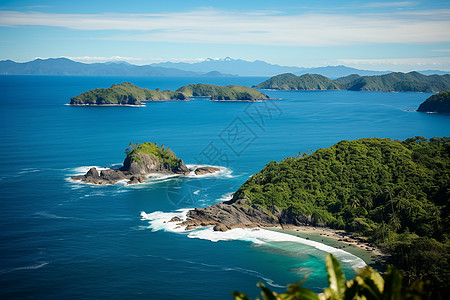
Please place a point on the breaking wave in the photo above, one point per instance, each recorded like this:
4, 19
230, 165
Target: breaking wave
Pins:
160, 221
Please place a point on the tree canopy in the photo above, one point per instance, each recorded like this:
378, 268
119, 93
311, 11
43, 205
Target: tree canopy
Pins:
396, 193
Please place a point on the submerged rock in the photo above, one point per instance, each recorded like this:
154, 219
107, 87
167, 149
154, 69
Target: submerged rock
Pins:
206, 170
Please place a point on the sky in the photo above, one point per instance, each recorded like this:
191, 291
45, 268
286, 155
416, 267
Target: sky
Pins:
379, 35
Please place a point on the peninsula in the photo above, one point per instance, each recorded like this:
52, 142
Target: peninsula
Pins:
439, 103
392, 82
142, 160
129, 94
394, 193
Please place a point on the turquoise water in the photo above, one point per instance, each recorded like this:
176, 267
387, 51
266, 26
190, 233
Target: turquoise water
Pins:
60, 239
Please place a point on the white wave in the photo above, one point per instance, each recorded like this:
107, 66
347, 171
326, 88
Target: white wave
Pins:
226, 197
263, 236
151, 178
223, 173
45, 214
28, 170
83, 170
160, 221
32, 267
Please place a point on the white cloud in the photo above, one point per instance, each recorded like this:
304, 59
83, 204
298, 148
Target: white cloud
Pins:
405, 64
441, 50
104, 59
390, 4
263, 28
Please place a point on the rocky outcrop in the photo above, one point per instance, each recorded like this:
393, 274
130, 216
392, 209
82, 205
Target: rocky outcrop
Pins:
239, 214
144, 164
224, 216
136, 168
206, 170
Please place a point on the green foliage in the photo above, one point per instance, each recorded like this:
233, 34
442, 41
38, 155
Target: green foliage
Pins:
230, 92
396, 193
368, 285
336, 278
400, 82
164, 155
289, 81
437, 103
129, 94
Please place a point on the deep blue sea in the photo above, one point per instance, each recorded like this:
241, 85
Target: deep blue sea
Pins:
63, 240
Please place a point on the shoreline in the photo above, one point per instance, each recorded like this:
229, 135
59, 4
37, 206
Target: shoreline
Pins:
107, 105
372, 255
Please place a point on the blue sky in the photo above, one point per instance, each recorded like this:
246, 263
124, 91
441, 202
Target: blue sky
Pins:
376, 35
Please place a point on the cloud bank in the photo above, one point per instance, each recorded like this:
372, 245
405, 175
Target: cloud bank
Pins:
211, 26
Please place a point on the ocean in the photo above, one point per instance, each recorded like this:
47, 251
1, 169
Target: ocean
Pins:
61, 239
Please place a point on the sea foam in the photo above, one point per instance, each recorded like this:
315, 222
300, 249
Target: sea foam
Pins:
160, 221
223, 173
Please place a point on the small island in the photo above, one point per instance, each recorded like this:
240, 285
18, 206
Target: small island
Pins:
392, 82
439, 103
127, 94
142, 160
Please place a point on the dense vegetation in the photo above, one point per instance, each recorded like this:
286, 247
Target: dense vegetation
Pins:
164, 155
216, 92
437, 103
392, 82
129, 94
396, 193
369, 284
290, 81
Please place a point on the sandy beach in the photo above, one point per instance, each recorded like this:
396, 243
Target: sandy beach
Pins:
360, 246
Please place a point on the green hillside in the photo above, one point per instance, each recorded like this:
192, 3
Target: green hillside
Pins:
437, 103
123, 94
129, 94
216, 92
392, 82
396, 193
290, 81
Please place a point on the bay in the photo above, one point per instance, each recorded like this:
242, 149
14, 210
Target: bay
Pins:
60, 239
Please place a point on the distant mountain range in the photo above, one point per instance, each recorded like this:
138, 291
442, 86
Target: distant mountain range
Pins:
64, 66
260, 68
392, 82
209, 67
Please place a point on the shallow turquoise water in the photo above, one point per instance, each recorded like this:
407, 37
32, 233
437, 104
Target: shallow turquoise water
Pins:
60, 239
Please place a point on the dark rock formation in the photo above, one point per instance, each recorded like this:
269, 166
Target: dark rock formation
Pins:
225, 216
206, 170
238, 214
135, 171
137, 179
147, 164
136, 167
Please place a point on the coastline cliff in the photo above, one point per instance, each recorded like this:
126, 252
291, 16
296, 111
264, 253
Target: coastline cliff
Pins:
439, 103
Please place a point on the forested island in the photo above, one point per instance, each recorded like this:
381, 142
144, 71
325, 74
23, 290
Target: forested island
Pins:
392, 82
439, 103
130, 94
142, 160
395, 193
